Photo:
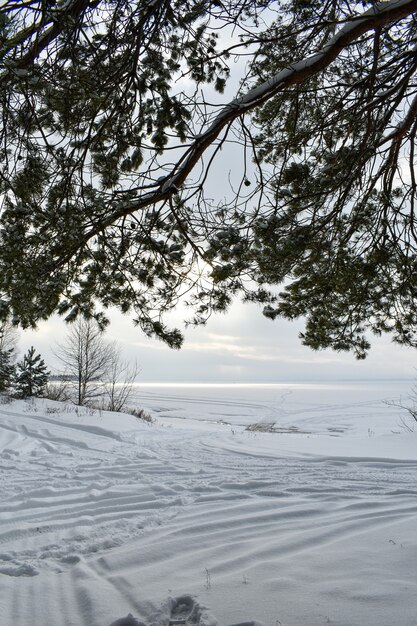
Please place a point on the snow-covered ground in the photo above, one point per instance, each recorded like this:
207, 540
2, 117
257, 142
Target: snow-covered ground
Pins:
194, 520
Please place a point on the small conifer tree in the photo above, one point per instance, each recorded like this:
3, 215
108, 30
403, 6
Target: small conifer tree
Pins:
31, 375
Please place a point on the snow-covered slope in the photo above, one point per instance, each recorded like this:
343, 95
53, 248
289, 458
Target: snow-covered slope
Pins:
108, 521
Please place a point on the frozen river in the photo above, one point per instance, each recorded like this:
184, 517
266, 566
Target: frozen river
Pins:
285, 404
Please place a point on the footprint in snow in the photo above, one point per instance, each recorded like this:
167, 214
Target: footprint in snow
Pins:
127, 621
17, 570
182, 611
186, 612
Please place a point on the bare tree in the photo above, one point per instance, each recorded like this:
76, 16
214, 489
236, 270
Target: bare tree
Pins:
9, 337
87, 357
8, 349
58, 390
409, 406
120, 379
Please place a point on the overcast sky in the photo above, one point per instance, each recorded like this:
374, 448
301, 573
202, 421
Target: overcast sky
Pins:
240, 346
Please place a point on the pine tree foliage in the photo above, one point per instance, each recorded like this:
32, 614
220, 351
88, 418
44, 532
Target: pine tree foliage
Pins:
31, 375
112, 118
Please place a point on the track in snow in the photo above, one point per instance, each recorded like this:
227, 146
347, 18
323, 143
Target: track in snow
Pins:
131, 517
